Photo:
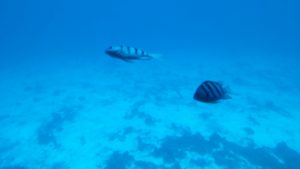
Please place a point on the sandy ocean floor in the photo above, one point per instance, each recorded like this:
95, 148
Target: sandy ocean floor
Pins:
104, 113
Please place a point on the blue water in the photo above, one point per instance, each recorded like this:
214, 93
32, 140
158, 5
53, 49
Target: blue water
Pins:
66, 104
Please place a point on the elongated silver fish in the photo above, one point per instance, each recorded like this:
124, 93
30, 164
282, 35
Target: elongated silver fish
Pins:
128, 53
211, 92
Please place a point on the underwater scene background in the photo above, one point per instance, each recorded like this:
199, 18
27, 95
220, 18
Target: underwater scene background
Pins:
65, 104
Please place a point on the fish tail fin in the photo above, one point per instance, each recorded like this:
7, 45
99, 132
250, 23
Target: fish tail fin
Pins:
228, 91
156, 56
227, 96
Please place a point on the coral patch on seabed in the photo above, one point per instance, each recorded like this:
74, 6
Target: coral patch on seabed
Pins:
175, 150
46, 132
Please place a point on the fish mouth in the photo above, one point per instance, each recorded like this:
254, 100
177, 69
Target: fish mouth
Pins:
109, 52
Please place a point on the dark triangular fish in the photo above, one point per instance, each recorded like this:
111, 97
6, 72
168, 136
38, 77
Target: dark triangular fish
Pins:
211, 92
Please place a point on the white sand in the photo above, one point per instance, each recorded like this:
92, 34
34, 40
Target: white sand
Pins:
102, 93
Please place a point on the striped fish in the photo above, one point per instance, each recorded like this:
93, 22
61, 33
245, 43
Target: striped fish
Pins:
211, 91
128, 53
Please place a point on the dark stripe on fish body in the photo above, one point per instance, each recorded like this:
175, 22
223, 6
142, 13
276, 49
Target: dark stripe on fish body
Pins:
217, 88
223, 91
128, 50
212, 90
205, 90
143, 52
135, 51
122, 48
139, 52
